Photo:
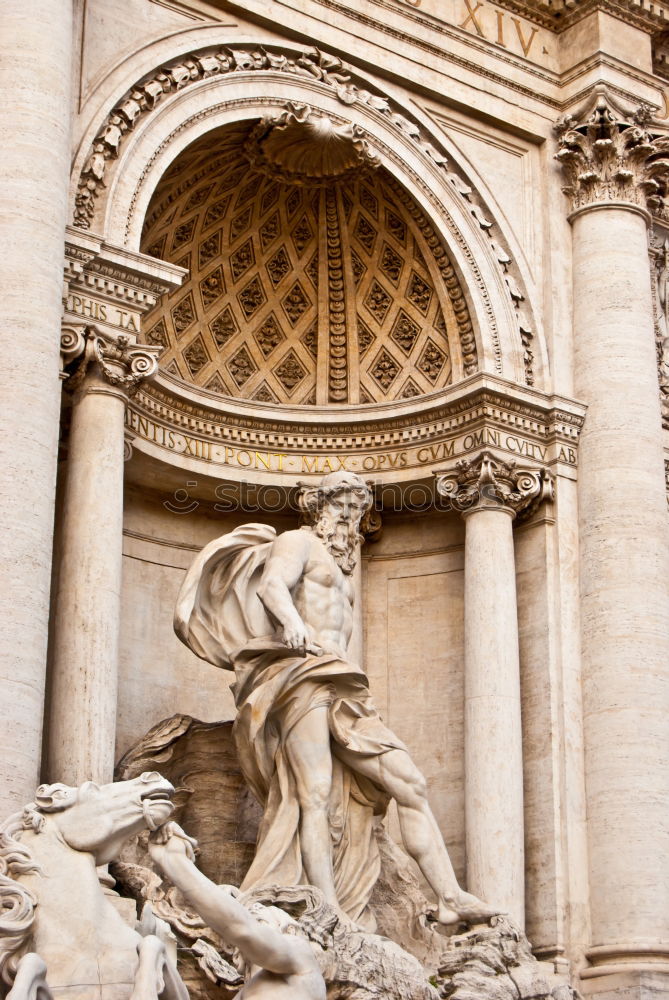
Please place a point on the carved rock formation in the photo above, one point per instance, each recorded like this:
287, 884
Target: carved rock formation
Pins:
494, 962
487, 962
213, 803
355, 965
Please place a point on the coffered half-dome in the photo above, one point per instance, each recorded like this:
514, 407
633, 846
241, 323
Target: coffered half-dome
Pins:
312, 279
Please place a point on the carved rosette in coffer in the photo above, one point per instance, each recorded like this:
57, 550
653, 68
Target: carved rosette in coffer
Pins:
329, 291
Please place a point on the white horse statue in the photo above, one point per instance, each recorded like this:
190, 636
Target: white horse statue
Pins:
57, 925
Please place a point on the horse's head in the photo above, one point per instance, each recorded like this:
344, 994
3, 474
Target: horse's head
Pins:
98, 818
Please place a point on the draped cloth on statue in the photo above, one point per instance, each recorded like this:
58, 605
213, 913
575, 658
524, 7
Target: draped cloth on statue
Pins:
221, 618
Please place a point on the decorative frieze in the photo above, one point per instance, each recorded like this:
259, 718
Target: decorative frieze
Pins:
558, 15
608, 154
403, 445
659, 272
490, 483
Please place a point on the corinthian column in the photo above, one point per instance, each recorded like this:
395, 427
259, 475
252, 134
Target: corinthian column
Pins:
614, 167
82, 714
490, 493
35, 75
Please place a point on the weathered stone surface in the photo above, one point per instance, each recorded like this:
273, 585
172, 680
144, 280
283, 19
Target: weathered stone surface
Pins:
495, 962
212, 800
482, 963
56, 920
355, 965
278, 611
413, 315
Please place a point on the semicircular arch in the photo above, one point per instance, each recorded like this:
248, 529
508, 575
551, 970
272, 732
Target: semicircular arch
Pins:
122, 160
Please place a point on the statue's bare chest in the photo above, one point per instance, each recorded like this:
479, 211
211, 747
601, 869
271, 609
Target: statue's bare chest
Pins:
322, 571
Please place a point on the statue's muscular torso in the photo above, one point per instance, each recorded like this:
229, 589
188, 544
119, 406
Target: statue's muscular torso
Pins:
324, 598
307, 593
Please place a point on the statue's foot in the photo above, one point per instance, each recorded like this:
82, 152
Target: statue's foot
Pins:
465, 907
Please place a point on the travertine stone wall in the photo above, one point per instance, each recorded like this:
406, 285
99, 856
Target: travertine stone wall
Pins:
35, 68
158, 675
414, 636
556, 875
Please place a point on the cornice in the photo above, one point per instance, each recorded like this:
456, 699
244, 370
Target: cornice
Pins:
558, 15
448, 31
122, 274
198, 406
400, 441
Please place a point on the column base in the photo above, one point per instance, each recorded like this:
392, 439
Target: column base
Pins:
632, 984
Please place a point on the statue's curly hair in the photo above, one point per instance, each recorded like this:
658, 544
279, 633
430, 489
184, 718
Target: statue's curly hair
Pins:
311, 499
17, 904
304, 903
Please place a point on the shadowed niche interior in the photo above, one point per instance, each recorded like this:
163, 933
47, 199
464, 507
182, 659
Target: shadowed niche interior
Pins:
313, 276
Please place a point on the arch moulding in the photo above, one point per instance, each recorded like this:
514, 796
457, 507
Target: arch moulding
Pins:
120, 163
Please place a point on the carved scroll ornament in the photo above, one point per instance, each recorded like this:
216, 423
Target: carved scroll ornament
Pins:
489, 483
120, 362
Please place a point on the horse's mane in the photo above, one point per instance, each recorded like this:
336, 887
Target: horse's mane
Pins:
17, 904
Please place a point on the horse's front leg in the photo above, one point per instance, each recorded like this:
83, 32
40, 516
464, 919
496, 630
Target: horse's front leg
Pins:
30, 980
156, 976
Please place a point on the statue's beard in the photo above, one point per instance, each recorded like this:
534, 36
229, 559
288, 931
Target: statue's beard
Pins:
340, 538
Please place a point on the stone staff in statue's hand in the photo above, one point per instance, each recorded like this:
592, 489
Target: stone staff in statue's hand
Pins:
280, 965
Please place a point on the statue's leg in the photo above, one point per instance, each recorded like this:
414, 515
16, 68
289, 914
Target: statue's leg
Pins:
30, 980
307, 749
396, 773
156, 976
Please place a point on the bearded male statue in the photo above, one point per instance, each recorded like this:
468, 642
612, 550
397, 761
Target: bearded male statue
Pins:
278, 611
